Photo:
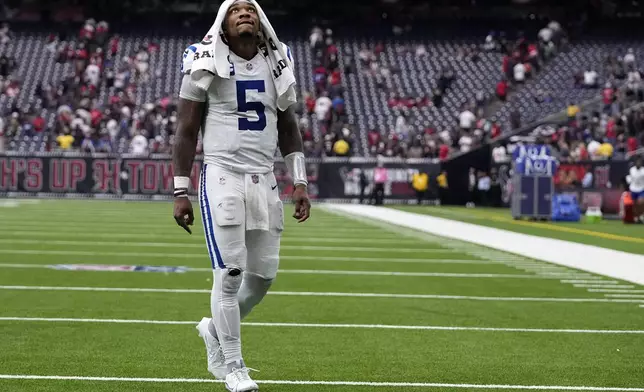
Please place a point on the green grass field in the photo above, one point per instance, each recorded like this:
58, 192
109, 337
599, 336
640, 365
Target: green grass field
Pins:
356, 307
612, 234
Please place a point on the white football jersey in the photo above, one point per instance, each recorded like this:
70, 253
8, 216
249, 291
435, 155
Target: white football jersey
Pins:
240, 125
636, 179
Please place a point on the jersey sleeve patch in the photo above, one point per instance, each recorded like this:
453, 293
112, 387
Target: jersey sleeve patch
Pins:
188, 59
288, 52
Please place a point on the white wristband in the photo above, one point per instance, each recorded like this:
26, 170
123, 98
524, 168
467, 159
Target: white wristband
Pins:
295, 164
181, 182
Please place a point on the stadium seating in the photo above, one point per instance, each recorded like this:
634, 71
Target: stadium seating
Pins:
43, 68
365, 94
557, 79
417, 77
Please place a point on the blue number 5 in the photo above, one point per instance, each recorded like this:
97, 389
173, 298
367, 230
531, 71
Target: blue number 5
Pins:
245, 106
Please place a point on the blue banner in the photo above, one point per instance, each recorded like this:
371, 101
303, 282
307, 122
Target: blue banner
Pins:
533, 159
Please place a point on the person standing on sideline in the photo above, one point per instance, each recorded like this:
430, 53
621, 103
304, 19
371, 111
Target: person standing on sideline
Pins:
420, 183
379, 180
635, 180
484, 184
364, 182
471, 187
441, 181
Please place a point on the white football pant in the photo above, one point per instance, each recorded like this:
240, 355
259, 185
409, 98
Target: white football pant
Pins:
244, 261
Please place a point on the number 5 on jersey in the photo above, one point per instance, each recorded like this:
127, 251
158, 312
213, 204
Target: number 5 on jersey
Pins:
244, 106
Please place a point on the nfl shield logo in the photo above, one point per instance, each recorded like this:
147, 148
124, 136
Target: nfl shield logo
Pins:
249, 66
255, 179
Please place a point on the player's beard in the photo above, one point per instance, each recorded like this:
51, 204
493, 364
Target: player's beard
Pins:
246, 35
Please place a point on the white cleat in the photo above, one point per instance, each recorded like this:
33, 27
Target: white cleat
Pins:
239, 381
216, 361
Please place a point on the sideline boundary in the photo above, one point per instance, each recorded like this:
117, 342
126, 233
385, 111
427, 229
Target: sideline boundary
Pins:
624, 266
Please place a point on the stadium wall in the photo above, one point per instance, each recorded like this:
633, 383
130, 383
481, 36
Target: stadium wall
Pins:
151, 178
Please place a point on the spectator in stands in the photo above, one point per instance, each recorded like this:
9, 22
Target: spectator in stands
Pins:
479, 100
322, 105
141, 63
421, 51
490, 44
445, 79
572, 110
65, 141
139, 144
5, 34
608, 97
591, 79
437, 97
465, 142
7, 66
499, 153
629, 58
634, 83
316, 38
2, 138
545, 35
341, 148
502, 89
466, 120
519, 72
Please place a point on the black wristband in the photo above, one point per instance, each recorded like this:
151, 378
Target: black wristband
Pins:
181, 192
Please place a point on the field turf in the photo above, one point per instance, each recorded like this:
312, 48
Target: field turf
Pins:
356, 307
611, 234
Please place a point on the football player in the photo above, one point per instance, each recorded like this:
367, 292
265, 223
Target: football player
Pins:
241, 209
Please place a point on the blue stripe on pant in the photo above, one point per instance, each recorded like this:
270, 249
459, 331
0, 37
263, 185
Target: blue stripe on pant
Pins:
204, 219
208, 226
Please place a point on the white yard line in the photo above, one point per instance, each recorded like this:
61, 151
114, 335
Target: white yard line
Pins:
331, 326
571, 275
390, 260
599, 280
327, 294
322, 272
325, 383
133, 226
417, 274
324, 258
289, 235
26, 266
624, 296
285, 239
605, 286
202, 246
619, 291
203, 255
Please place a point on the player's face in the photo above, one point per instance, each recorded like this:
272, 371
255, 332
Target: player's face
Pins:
242, 20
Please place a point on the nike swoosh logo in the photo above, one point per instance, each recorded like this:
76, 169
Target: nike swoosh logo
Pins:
273, 187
